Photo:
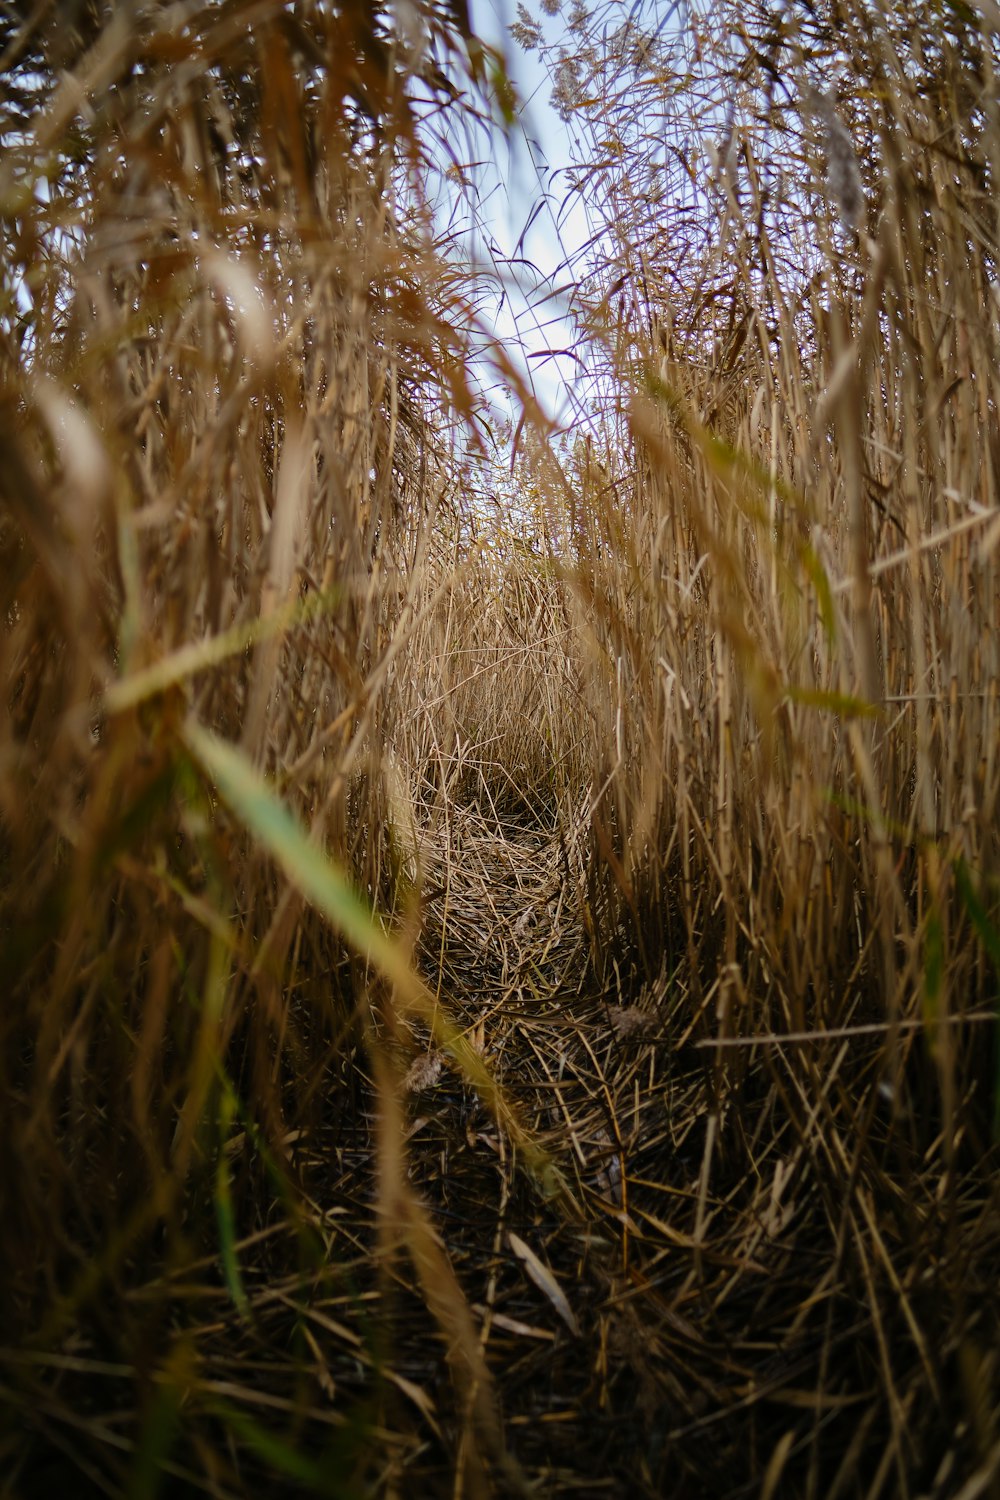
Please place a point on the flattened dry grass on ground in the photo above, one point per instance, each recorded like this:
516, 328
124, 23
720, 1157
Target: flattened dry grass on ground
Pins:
501, 945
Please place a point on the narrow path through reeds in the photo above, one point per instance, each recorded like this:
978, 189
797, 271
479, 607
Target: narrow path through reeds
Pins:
727, 1295
748, 1273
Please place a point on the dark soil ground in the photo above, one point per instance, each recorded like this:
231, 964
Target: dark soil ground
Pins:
723, 1303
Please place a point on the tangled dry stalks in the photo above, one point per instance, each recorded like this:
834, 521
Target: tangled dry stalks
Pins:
490, 1011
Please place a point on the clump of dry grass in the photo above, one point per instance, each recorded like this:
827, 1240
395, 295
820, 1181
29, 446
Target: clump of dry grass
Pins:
786, 591
231, 365
667, 798
488, 678
791, 585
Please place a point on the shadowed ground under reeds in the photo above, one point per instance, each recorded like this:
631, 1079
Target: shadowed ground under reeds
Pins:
500, 936
646, 1335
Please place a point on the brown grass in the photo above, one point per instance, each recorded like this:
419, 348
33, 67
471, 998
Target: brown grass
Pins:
498, 998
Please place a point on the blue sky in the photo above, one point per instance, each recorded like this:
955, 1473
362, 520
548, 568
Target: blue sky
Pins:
526, 172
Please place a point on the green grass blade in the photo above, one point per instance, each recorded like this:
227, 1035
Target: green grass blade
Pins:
326, 886
313, 874
224, 1209
200, 655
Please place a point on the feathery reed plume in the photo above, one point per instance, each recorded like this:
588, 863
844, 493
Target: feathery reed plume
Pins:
842, 173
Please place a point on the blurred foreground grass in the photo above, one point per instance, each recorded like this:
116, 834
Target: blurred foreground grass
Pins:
498, 1002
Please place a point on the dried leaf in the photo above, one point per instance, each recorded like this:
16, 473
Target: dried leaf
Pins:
525, 922
545, 1281
608, 1177
514, 1325
631, 1024
424, 1072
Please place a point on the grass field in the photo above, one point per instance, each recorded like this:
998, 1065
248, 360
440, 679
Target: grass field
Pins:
500, 937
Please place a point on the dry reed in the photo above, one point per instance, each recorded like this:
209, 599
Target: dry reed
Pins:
361, 849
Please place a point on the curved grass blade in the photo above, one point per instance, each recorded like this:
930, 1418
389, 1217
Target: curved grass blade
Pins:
200, 655
224, 1209
326, 886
